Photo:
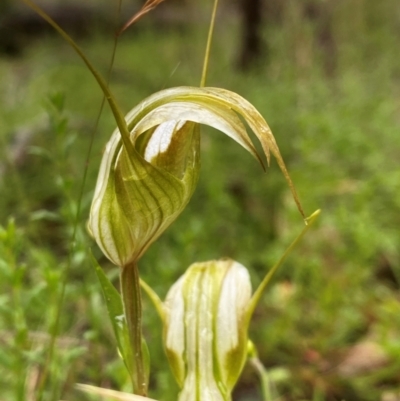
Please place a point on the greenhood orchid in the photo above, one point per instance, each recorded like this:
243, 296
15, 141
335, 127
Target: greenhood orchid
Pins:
149, 171
140, 191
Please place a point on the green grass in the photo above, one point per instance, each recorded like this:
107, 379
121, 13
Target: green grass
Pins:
339, 136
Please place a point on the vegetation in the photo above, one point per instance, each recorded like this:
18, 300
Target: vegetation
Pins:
328, 327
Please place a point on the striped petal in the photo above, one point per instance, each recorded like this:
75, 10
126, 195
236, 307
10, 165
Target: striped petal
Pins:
205, 332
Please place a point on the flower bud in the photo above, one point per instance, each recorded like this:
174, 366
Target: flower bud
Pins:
205, 332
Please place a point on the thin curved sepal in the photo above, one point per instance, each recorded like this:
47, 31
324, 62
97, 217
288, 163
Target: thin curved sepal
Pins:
255, 299
154, 298
116, 110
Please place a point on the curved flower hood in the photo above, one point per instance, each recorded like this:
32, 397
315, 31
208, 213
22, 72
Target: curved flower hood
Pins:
141, 191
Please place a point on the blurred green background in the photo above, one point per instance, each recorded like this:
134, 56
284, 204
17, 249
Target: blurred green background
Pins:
326, 76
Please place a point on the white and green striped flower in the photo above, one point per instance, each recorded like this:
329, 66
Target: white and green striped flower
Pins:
145, 184
205, 329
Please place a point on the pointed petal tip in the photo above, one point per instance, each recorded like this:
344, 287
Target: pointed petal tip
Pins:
310, 219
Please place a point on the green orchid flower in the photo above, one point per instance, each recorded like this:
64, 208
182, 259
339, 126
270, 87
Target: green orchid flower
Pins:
140, 191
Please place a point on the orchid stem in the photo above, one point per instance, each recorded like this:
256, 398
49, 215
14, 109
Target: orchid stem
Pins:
132, 301
255, 361
264, 379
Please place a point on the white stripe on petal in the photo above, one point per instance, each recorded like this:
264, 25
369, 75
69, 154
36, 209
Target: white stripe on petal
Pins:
161, 138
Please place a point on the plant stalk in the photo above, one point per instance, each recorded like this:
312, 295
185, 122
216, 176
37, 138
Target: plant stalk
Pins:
132, 302
208, 46
264, 379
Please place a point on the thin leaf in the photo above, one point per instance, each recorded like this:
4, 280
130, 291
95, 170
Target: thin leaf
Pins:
117, 317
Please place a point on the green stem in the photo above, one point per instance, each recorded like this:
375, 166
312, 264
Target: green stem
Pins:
208, 47
264, 379
255, 361
132, 301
